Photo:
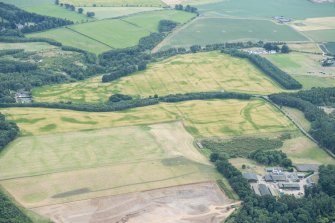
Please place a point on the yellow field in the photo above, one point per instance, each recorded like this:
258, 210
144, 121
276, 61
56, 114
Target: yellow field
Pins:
139, 3
201, 118
211, 71
311, 24
43, 170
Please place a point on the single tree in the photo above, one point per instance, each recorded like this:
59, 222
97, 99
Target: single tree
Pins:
81, 10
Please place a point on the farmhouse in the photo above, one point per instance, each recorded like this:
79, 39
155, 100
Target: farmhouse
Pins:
271, 177
289, 186
251, 177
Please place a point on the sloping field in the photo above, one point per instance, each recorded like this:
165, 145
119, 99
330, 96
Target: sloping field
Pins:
327, 35
314, 24
49, 169
218, 30
297, 9
138, 3
112, 12
192, 203
211, 71
105, 35
69, 38
31, 47
201, 118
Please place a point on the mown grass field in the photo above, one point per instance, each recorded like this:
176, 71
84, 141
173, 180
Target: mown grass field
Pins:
218, 30
309, 82
298, 9
48, 8
104, 35
201, 118
211, 71
301, 64
138, 3
101, 162
112, 12
310, 24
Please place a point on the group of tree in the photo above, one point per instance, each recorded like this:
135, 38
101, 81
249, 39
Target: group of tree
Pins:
271, 158
120, 97
317, 206
322, 124
8, 131
26, 22
166, 26
268, 68
276, 47
186, 8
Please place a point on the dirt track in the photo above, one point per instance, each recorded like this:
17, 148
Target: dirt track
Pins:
202, 202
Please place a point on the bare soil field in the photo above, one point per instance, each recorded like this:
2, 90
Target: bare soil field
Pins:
202, 202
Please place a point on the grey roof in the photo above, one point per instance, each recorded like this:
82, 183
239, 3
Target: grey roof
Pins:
250, 176
275, 177
289, 185
307, 167
264, 190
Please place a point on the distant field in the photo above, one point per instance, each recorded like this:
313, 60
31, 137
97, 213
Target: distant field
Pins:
112, 12
69, 38
305, 47
327, 35
330, 47
301, 64
140, 3
312, 81
310, 24
201, 118
297, 9
180, 74
48, 8
105, 35
101, 162
218, 30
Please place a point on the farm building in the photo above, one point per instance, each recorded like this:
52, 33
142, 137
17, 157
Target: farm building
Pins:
307, 167
271, 177
251, 177
274, 169
263, 190
289, 186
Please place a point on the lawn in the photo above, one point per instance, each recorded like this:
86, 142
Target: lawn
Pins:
201, 118
139, 3
101, 162
218, 30
327, 35
301, 64
297, 9
70, 38
112, 12
211, 71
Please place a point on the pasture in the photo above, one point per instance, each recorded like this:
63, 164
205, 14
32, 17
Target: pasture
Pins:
204, 31
126, 3
327, 35
112, 12
309, 82
201, 118
210, 71
297, 9
101, 162
330, 47
30, 47
70, 38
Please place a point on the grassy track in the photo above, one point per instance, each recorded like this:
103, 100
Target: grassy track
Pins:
140, 3
201, 118
180, 74
218, 30
97, 163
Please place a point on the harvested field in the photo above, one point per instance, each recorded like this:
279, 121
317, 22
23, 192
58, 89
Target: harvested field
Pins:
201, 118
101, 162
137, 3
189, 203
211, 71
305, 47
314, 24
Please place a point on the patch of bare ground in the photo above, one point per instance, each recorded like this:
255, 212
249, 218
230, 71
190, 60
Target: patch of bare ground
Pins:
202, 202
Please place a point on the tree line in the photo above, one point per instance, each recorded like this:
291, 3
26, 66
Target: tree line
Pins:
268, 68
8, 131
271, 158
317, 206
26, 22
322, 124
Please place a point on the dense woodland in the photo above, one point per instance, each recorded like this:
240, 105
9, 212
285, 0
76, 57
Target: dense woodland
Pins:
323, 125
318, 205
271, 158
8, 131
12, 18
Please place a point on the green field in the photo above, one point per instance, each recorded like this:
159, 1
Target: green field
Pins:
48, 8
105, 35
201, 118
112, 12
297, 9
218, 30
211, 71
330, 47
327, 35
99, 162
138, 3
30, 47
309, 82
